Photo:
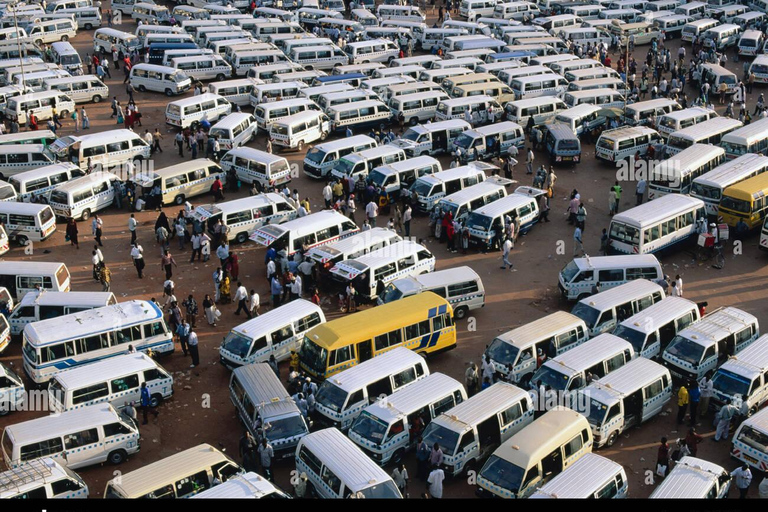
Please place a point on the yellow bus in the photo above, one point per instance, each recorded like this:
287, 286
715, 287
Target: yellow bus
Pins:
422, 323
746, 200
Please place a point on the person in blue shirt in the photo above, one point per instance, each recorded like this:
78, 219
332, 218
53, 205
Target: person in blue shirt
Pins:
146, 402
349, 132
277, 291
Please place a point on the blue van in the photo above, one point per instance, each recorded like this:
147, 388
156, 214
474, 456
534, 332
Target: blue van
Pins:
353, 79
562, 144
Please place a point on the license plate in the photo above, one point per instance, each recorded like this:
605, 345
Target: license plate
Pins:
749, 459
567, 158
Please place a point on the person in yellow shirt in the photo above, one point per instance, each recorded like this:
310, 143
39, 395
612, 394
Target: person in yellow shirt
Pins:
294, 361
682, 403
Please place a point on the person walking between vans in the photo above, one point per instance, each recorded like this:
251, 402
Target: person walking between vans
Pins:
578, 246
662, 458
743, 478
723, 418
506, 248
707, 388
193, 350
422, 458
137, 253
71, 233
266, 454
97, 225
146, 403
682, 403
435, 482
694, 393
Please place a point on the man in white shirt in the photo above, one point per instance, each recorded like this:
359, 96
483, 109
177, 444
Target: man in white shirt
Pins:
192, 345
254, 304
372, 211
271, 269
137, 254
132, 224
296, 287
327, 195
506, 248
679, 283
302, 211
435, 482
241, 297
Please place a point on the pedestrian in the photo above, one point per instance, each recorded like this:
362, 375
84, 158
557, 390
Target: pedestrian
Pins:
707, 391
506, 248
435, 482
662, 458
193, 350
253, 303
97, 225
743, 478
683, 399
407, 216
105, 278
642, 184
679, 283
276, 289
266, 454
694, 395
209, 308
529, 160
84, 118
190, 306
723, 418
241, 297
692, 440
183, 331
137, 254
617, 190
71, 232
167, 262
146, 403
422, 458
400, 477
471, 379
578, 246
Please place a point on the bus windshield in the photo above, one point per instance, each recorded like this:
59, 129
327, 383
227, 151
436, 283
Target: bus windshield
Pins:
284, 428
446, 438
737, 205
370, 428
731, 384
502, 352
705, 191
236, 343
331, 396
502, 473
635, 338
686, 350
313, 356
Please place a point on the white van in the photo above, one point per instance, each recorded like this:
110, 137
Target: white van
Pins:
397, 177
694, 478
67, 57
722, 36
236, 129
106, 38
433, 138
81, 89
21, 277
374, 50
389, 428
460, 204
625, 398
337, 468
592, 476
514, 354
322, 158
678, 120
52, 30
369, 274
42, 479
203, 67
749, 445
540, 109
303, 233
621, 143
342, 397
36, 306
253, 165
266, 409
489, 141
577, 279
651, 330
275, 92
416, 108
179, 182
697, 27
742, 379
521, 207
359, 164
16, 158
150, 77
241, 217
78, 438
751, 42
470, 431
189, 112
326, 256
297, 130
117, 381
237, 91
699, 348
428, 190
81, 197
247, 485
107, 149
330, 99
41, 181
150, 13
605, 98
603, 311
41, 104
275, 333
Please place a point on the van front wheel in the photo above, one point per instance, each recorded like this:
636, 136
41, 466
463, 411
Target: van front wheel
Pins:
84, 216
220, 77
88, 26
96, 98
65, 38
23, 240
612, 439
397, 457
179, 199
301, 145
168, 92
155, 400
117, 457
241, 238
323, 135
461, 312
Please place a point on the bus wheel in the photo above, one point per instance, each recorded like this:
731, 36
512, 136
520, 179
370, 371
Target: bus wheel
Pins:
86, 213
168, 92
88, 26
96, 98
323, 135
65, 38
413, 121
461, 312
179, 199
220, 77
612, 438
64, 113
142, 88
582, 297
117, 457
23, 240
301, 145
155, 400
241, 238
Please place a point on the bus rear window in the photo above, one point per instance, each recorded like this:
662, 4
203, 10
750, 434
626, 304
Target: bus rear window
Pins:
62, 275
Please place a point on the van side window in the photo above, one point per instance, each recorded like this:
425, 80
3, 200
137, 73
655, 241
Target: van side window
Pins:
443, 405
404, 378
609, 491
615, 363
389, 339
611, 275
573, 446
340, 355
308, 322
197, 482
455, 290
310, 460
89, 393
653, 390
331, 480
124, 384
466, 441
511, 414
83, 438
643, 273
709, 353
41, 449
378, 388
566, 339
115, 429
153, 374
63, 486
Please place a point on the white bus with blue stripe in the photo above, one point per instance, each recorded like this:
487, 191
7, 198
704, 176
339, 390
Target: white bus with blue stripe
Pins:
42, 479
749, 441
59, 344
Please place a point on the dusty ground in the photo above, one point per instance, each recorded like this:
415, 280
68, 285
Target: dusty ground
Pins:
512, 299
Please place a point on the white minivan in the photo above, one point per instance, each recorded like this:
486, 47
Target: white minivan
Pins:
189, 112
81, 197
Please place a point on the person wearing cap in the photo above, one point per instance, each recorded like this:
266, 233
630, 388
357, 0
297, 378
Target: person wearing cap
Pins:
300, 487
351, 208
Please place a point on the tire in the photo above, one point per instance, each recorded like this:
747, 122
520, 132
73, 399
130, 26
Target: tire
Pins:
179, 199
241, 238
220, 77
96, 98
23, 240
300, 147
65, 38
582, 297
612, 439
168, 92
117, 457
413, 121
64, 113
397, 457
85, 215
4, 411
461, 313
469, 466
155, 400
323, 135
144, 89
88, 26
719, 261
39, 42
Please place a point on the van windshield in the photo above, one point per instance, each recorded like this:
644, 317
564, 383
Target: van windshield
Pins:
569, 271
331, 396
636, 338
503, 473
370, 428
344, 166
69, 59
502, 352
411, 135
58, 196
446, 438
313, 356
586, 313
464, 141
237, 344
731, 384
316, 155
422, 188
551, 378
391, 294
686, 350
284, 428
479, 222
594, 411
384, 490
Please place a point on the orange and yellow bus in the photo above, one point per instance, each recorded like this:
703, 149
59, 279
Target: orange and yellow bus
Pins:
747, 200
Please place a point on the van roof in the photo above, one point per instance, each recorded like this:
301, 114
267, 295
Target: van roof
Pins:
348, 462
393, 252
457, 172
690, 478
750, 362
481, 406
106, 136
247, 485
581, 478
717, 325
635, 288
413, 397
651, 104
582, 357
530, 102
298, 117
114, 32
255, 154
265, 391
505, 204
540, 329
233, 119
147, 478
355, 105
620, 383
26, 267
147, 178
278, 317
604, 262
48, 298
208, 210
103, 370
86, 181
356, 377
197, 99
655, 211
758, 421
469, 193
309, 223
29, 476
46, 170
41, 429
344, 143
355, 242
158, 68
24, 209
659, 314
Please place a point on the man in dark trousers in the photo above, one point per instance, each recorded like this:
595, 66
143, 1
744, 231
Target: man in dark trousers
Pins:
146, 402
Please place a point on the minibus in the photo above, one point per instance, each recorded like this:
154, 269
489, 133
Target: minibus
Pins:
433, 37
418, 107
742, 381
41, 103
387, 429
643, 112
694, 10
81, 89
536, 454
428, 190
243, 58
627, 16
726, 13
117, 381
148, 28
450, 42
336, 468
584, 35
297, 130
620, 143
751, 19
606, 98
400, 12
36, 306
359, 115
179, 182
21, 277
580, 275
392, 33
162, 53
343, 396
255, 166
167, 38
50, 31
413, 71
108, 149
66, 56
44, 137
52, 346
623, 399
581, 118
600, 83
189, 112
270, 30
57, 6
403, 89
554, 24
745, 201
246, 485
395, 177
488, 141
605, 310
710, 186
694, 478
41, 181
365, 242
150, 13
674, 121
150, 77
241, 217
473, 28
236, 91
462, 60
697, 27
575, 75
698, 349
513, 10
275, 92
722, 36
497, 67
591, 476
203, 67
752, 138
266, 114
540, 109
750, 43
236, 129
12, 393
276, 333
335, 25
35, 82
717, 75
75, 439
671, 25
514, 353
329, 99
470, 431
676, 173
538, 84
80, 197
749, 440
311, 16
27, 222
564, 64
521, 207
13, 75
322, 158
222, 10
473, 9
431, 138
266, 409
370, 273
374, 50
187, 12
562, 144
366, 69
460, 204
302, 234
42, 479
181, 475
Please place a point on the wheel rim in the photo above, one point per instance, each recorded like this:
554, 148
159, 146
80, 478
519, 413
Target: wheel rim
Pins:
179, 200
86, 214
241, 238
96, 98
